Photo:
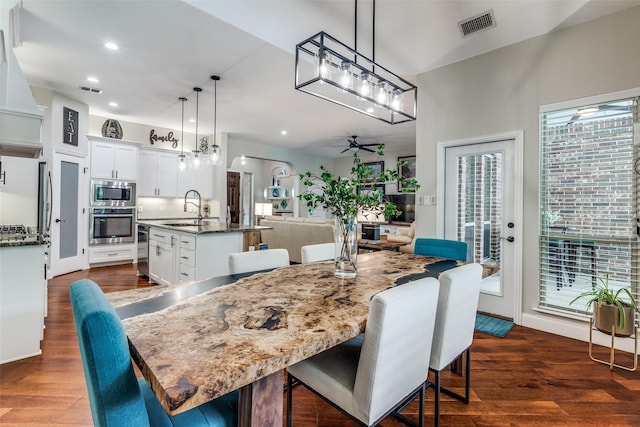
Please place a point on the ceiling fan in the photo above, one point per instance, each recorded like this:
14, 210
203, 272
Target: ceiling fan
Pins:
595, 109
355, 146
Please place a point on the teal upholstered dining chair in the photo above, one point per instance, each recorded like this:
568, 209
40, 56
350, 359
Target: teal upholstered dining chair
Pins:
441, 248
379, 372
117, 398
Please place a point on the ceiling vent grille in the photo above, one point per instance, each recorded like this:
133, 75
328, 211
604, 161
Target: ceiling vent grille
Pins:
90, 89
477, 23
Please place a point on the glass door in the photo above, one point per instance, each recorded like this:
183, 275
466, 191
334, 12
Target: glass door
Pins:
480, 210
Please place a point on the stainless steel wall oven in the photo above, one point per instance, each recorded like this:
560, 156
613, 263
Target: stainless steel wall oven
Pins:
111, 225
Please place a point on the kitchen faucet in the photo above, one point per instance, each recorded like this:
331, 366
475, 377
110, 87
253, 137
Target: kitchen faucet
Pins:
199, 205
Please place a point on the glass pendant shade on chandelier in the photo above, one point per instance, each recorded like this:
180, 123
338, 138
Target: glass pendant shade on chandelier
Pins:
329, 69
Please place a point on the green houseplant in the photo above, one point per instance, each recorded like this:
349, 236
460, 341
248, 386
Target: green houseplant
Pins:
346, 197
611, 307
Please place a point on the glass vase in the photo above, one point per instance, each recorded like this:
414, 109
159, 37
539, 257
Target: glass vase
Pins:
345, 237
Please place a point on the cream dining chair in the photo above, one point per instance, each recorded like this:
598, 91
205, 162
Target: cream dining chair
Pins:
246, 262
455, 323
375, 374
318, 253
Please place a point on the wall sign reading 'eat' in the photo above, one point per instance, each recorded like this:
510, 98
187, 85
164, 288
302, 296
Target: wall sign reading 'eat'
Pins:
69, 126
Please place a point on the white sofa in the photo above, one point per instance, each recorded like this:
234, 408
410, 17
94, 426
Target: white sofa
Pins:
404, 235
292, 233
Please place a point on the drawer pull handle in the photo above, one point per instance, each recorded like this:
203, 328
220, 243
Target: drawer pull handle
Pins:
184, 257
184, 274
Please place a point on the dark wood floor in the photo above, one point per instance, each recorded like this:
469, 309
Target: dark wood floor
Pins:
529, 378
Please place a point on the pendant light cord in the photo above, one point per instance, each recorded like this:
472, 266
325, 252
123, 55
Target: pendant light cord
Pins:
182, 130
373, 32
215, 109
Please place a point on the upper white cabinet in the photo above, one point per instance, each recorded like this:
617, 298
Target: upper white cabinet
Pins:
200, 179
158, 175
112, 160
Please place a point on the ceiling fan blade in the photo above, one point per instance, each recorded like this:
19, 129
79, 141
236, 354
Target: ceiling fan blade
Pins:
369, 145
346, 149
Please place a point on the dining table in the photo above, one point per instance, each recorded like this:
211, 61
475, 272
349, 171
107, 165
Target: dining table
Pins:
196, 341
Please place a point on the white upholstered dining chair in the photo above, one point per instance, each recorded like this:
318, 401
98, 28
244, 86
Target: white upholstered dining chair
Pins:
373, 375
246, 262
455, 323
319, 252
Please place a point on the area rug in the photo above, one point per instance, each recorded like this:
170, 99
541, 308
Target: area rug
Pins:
493, 325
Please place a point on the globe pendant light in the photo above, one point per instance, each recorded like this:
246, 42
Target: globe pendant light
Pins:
216, 150
196, 152
183, 164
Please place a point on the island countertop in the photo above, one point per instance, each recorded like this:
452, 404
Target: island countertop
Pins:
205, 227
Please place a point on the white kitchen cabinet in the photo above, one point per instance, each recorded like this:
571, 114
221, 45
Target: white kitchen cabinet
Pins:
179, 257
162, 256
200, 179
111, 253
187, 258
158, 174
111, 160
22, 302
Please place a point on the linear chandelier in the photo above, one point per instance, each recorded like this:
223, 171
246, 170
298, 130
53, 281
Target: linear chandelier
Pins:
329, 69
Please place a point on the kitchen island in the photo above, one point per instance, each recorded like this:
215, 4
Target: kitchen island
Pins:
186, 250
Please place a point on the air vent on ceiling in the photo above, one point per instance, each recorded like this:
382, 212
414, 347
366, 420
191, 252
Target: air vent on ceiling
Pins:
91, 89
477, 23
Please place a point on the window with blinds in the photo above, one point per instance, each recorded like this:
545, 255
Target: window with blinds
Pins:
588, 201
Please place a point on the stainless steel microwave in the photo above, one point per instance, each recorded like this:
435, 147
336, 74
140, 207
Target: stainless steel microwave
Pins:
113, 193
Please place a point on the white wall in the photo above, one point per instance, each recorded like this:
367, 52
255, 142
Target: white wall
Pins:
300, 162
502, 90
342, 166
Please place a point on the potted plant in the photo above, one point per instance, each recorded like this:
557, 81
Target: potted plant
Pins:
612, 308
346, 197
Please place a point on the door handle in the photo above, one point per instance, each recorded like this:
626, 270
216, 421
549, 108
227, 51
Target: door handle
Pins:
509, 239
60, 220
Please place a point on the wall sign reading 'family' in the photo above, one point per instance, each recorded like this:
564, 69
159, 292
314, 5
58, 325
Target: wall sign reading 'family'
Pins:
154, 137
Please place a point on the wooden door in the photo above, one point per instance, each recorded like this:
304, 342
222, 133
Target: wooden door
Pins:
233, 196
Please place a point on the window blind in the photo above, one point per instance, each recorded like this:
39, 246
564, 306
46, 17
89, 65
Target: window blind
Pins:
589, 196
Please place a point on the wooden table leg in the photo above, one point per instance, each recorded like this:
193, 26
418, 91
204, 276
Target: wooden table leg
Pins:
260, 403
457, 364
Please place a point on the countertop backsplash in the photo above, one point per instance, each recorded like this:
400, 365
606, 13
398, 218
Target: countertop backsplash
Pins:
159, 208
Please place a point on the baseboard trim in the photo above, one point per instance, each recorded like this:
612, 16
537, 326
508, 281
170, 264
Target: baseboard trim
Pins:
574, 329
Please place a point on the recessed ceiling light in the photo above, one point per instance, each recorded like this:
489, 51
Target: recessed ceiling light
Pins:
283, 132
93, 79
192, 120
111, 45
113, 104
370, 110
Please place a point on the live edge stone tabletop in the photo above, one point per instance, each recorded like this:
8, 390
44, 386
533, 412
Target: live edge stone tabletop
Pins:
198, 341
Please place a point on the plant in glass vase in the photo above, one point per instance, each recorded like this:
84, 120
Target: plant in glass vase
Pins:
346, 197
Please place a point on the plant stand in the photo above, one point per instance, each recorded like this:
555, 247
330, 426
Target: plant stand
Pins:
613, 349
